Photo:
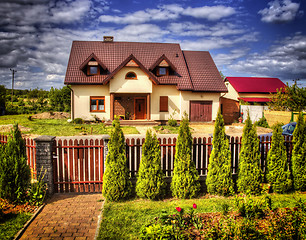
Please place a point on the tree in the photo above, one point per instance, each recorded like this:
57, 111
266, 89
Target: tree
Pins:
150, 180
116, 182
278, 174
299, 155
185, 180
291, 98
249, 175
59, 99
219, 177
15, 174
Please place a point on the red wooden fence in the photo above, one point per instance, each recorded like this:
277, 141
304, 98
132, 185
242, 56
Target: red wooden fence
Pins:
30, 151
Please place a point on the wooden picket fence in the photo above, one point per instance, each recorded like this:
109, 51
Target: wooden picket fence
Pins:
30, 151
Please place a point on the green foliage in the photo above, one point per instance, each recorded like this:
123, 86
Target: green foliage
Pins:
299, 155
59, 99
219, 177
157, 231
249, 174
78, 121
14, 171
150, 180
185, 179
278, 174
37, 191
171, 121
116, 182
262, 123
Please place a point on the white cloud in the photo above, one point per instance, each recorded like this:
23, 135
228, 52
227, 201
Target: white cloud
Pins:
279, 11
228, 58
211, 13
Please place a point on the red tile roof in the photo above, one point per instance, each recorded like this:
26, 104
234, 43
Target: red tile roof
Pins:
200, 75
255, 84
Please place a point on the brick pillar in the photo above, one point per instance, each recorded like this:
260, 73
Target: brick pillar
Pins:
44, 147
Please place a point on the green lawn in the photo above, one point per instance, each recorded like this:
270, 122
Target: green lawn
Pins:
12, 223
123, 220
59, 127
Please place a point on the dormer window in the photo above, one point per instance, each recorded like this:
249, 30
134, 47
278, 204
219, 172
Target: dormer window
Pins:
131, 75
93, 68
162, 71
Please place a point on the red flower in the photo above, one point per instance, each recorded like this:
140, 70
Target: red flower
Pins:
194, 206
178, 209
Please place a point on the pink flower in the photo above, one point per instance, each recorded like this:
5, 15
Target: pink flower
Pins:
178, 209
194, 206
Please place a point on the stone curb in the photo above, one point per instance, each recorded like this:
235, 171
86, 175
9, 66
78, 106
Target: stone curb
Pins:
99, 221
21, 231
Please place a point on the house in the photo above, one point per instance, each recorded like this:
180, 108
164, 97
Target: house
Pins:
251, 91
142, 81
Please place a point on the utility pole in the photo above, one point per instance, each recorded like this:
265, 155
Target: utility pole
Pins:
13, 76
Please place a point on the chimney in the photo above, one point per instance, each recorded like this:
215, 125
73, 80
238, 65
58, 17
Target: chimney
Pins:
108, 38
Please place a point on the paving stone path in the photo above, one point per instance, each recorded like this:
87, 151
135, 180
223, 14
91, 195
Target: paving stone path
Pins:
67, 216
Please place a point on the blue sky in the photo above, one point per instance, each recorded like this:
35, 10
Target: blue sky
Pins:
244, 37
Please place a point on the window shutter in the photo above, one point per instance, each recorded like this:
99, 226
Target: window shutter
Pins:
163, 104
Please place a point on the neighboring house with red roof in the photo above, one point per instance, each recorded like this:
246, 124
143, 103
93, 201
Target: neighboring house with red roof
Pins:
142, 81
250, 90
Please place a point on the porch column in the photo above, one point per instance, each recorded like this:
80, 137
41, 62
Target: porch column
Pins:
148, 106
112, 106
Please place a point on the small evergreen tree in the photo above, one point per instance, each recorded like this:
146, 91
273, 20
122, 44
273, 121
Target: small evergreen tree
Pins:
15, 174
150, 182
219, 177
185, 180
249, 175
299, 155
278, 174
116, 182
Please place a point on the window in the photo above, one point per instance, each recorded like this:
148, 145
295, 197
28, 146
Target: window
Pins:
131, 75
162, 71
93, 70
97, 104
163, 104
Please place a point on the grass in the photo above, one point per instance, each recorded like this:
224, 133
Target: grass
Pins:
123, 220
59, 127
167, 129
12, 223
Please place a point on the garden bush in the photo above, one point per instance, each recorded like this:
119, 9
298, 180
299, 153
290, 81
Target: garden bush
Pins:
278, 174
262, 122
14, 172
219, 177
78, 121
116, 183
249, 174
37, 191
150, 179
299, 155
185, 179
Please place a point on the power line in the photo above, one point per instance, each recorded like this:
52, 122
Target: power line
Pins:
13, 76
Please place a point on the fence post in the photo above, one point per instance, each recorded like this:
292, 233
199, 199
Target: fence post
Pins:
44, 147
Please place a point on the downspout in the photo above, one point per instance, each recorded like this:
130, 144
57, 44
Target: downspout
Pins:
72, 102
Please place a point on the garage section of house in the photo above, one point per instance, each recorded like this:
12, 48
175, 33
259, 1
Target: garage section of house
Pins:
200, 111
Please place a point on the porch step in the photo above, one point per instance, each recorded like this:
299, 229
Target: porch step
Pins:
136, 123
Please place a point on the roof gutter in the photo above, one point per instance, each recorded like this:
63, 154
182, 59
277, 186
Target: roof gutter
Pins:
72, 102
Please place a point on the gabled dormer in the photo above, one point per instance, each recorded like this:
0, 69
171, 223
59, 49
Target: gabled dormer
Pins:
93, 66
163, 67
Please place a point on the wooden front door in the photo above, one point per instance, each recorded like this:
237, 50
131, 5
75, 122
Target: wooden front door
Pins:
200, 111
140, 108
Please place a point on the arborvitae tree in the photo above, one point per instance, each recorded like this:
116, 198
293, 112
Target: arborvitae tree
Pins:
219, 177
249, 174
150, 180
185, 180
299, 155
15, 174
278, 174
116, 182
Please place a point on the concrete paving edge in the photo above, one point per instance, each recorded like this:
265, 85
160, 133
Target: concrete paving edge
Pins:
99, 221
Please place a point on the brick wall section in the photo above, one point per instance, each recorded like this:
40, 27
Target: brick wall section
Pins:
44, 147
230, 110
123, 105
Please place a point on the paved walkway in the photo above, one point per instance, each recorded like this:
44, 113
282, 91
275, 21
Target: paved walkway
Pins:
67, 216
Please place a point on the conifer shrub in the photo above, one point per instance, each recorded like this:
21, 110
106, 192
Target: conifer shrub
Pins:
219, 177
262, 122
185, 180
150, 180
116, 183
249, 172
278, 174
15, 174
299, 155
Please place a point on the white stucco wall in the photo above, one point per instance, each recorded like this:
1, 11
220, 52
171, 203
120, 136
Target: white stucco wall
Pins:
232, 93
82, 95
121, 85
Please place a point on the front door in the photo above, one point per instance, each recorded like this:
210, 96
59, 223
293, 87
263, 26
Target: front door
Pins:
140, 108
